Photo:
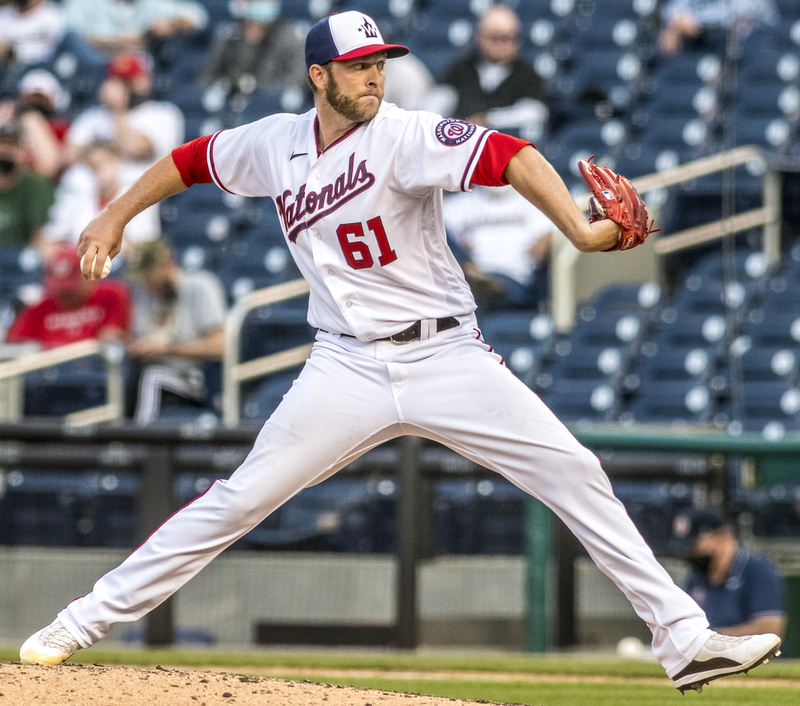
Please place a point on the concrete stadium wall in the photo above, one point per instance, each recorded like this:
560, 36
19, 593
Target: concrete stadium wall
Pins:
464, 601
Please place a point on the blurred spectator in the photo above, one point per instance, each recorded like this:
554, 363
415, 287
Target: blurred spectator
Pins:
84, 192
179, 322
141, 128
494, 85
39, 107
507, 240
259, 50
25, 197
123, 25
695, 20
408, 82
30, 31
73, 309
740, 591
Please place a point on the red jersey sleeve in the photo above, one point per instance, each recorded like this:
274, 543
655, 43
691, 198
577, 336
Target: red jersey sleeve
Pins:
494, 159
191, 159
117, 305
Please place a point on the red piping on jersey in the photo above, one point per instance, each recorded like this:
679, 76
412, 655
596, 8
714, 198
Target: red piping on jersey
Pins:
494, 159
337, 140
479, 147
211, 164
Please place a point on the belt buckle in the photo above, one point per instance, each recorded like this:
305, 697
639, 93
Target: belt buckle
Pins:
401, 341
412, 332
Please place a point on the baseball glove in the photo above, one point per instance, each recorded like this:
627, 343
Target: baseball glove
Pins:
613, 197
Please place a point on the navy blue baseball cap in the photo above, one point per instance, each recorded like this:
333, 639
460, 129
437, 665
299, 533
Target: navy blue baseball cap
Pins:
346, 35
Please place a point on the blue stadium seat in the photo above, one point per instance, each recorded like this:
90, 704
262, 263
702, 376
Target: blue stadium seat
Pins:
479, 517
572, 400
108, 511
671, 402
715, 298
772, 132
685, 329
686, 136
250, 268
653, 507
688, 70
765, 364
766, 99
774, 510
597, 327
594, 364
773, 399
679, 363
271, 329
337, 515
779, 329
633, 298
263, 399
19, 267
66, 388
767, 66
39, 508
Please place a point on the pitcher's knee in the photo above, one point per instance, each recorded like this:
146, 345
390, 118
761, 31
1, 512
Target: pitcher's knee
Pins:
585, 466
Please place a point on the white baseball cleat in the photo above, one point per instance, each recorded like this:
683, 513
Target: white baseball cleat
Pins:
51, 645
723, 655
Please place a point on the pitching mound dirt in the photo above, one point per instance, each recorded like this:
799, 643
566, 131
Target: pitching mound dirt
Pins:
93, 685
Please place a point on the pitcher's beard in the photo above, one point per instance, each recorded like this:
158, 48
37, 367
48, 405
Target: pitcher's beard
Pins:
350, 108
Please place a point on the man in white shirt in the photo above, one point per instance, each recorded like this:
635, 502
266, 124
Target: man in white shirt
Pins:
507, 238
30, 30
86, 190
141, 128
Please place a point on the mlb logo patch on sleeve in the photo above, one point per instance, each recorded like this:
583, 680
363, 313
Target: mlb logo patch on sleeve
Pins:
453, 132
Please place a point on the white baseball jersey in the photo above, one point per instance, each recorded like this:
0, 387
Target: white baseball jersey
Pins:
364, 218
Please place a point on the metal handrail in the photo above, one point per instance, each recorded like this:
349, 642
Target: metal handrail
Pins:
234, 372
12, 390
564, 260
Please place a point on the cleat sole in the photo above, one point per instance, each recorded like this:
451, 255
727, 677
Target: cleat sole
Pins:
698, 686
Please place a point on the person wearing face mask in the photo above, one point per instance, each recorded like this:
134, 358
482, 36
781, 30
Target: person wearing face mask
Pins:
38, 107
178, 324
25, 197
142, 129
258, 51
740, 591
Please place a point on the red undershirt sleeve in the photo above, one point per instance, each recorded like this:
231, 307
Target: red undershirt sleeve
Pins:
191, 159
495, 157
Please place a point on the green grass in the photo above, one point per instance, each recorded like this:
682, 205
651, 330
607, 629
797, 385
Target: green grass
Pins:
572, 694
558, 693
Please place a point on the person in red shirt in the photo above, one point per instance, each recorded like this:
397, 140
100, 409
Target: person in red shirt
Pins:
73, 309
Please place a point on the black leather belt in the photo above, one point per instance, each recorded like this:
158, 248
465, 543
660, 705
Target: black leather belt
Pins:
412, 333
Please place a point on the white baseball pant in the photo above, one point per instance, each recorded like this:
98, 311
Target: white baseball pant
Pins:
353, 396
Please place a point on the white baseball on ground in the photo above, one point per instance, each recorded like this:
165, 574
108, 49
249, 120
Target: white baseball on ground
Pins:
106, 267
630, 648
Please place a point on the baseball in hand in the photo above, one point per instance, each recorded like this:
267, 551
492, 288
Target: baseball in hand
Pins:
106, 267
